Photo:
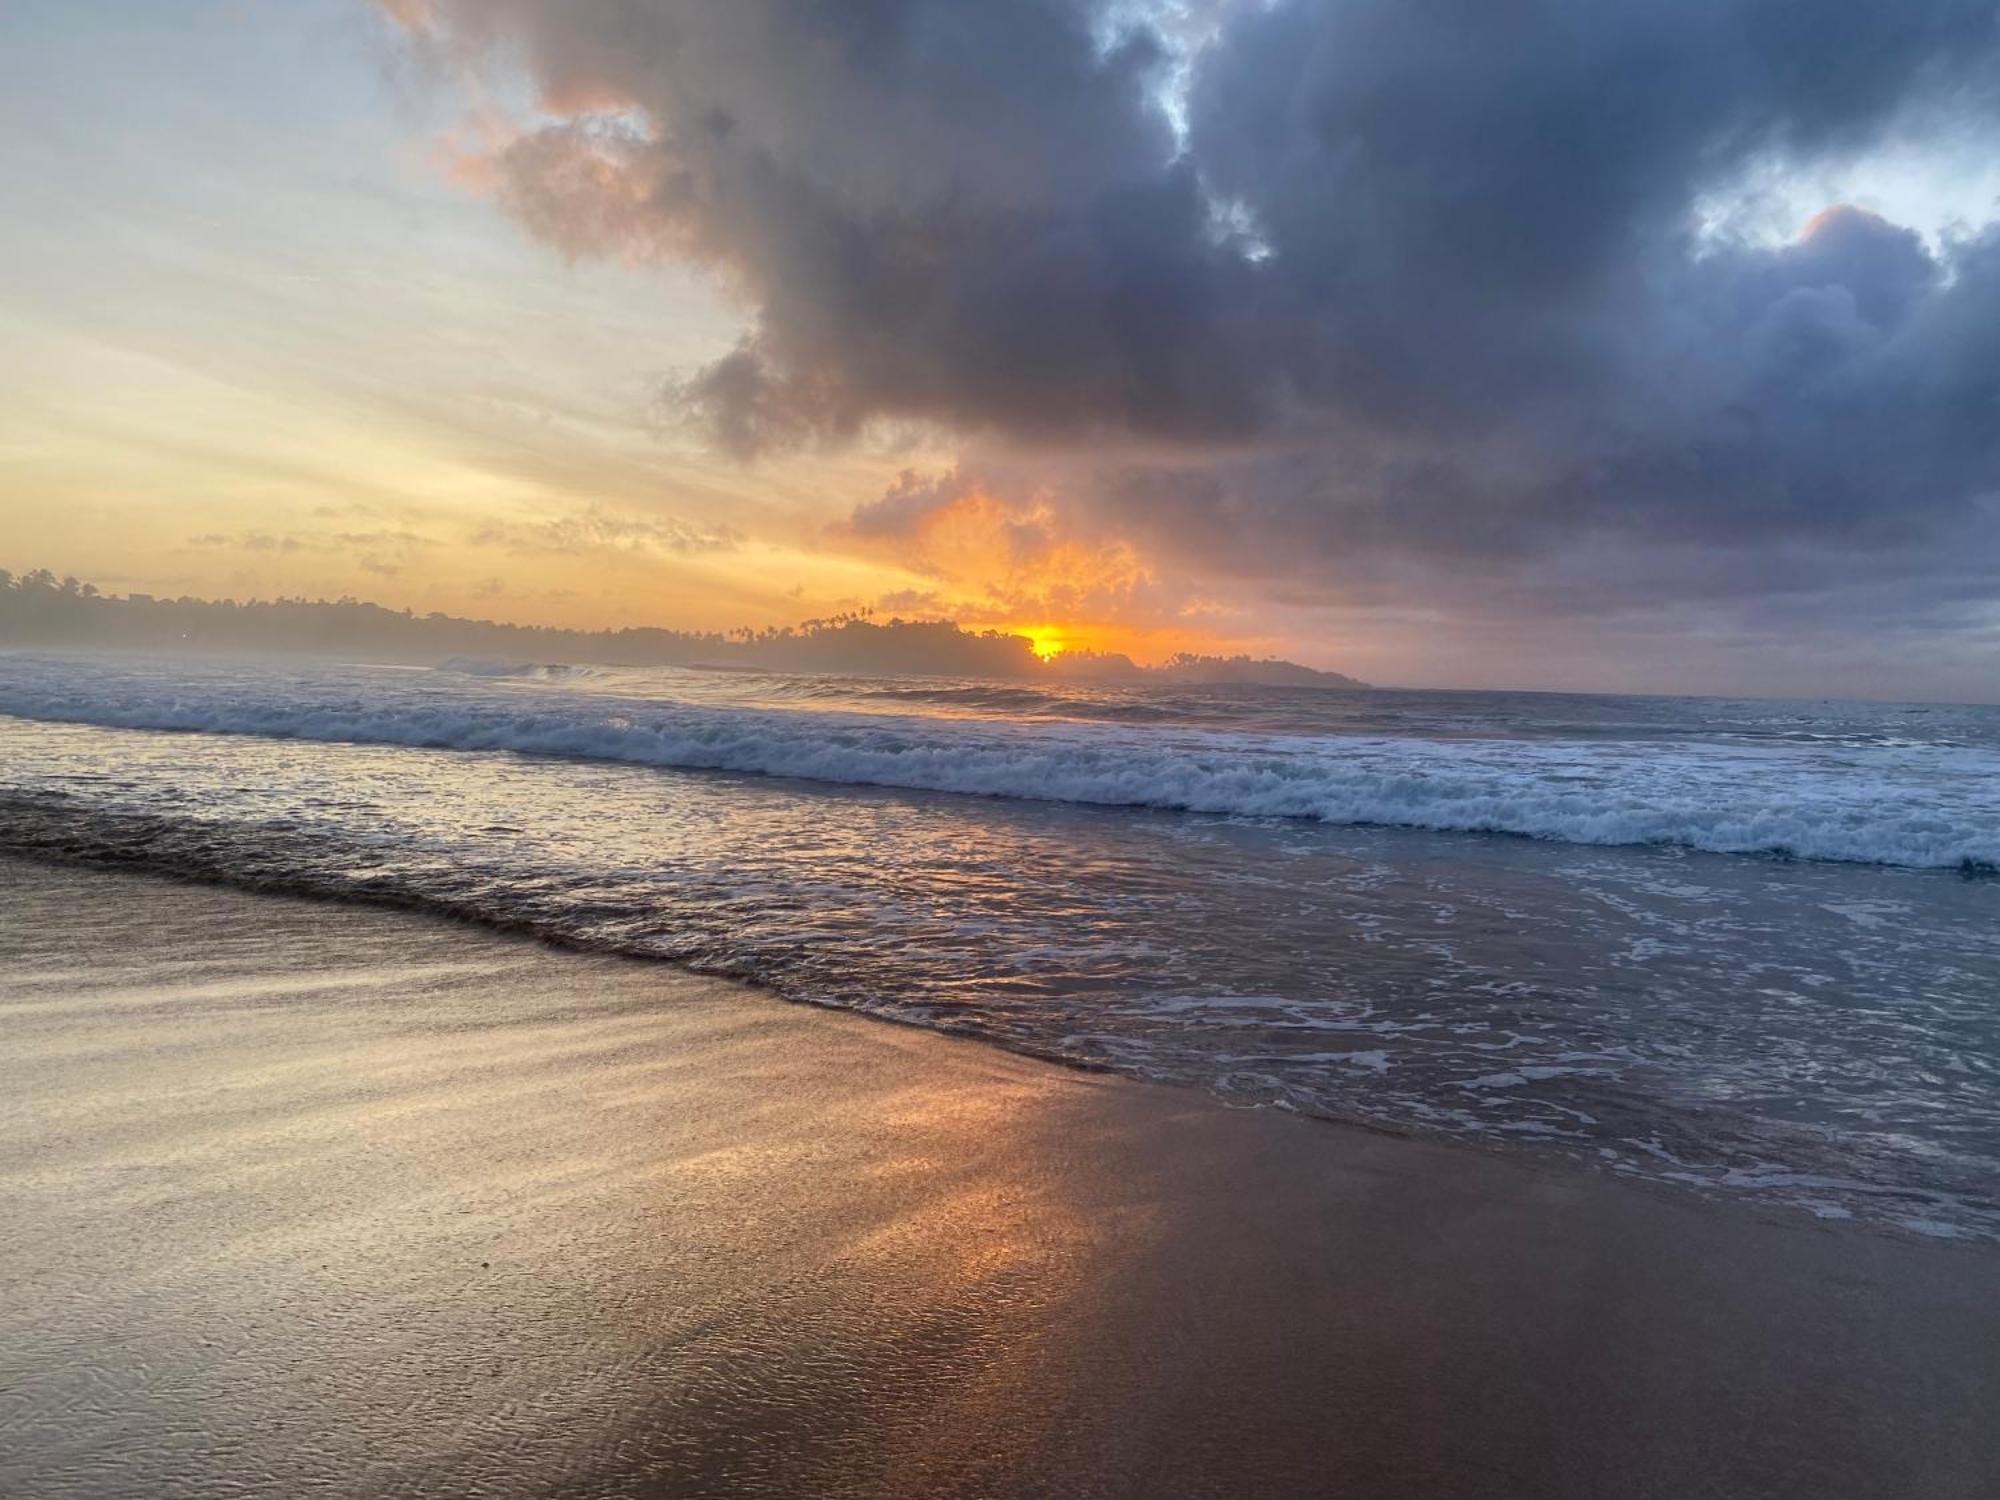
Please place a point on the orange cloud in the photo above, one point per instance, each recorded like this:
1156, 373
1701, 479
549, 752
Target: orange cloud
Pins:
1025, 566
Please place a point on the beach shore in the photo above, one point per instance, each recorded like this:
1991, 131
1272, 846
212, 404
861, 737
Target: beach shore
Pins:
300, 1199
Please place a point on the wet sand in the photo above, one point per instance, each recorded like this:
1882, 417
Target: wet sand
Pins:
300, 1200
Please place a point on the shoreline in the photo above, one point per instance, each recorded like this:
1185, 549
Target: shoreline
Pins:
335, 1198
1522, 1154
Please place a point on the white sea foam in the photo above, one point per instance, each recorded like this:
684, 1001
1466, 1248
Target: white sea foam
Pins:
1926, 806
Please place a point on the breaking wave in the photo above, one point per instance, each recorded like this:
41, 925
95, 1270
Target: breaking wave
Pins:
1926, 807
528, 671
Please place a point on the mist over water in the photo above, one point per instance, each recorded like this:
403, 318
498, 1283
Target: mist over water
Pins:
1745, 946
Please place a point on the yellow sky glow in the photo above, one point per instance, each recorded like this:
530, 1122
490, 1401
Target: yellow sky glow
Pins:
431, 411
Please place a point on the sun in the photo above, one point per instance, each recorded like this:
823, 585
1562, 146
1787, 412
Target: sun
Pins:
1047, 640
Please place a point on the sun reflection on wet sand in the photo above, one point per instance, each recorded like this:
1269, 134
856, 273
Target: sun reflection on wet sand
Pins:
466, 1218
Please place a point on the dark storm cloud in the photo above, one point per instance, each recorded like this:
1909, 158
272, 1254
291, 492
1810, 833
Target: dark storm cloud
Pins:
970, 213
1416, 291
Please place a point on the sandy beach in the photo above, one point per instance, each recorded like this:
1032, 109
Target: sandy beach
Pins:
302, 1199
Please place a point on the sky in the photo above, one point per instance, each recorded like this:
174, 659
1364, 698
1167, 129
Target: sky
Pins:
1598, 346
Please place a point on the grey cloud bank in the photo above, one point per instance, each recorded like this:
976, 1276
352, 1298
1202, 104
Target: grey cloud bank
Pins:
1398, 301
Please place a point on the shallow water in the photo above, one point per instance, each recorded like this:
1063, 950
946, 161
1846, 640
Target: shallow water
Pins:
1743, 946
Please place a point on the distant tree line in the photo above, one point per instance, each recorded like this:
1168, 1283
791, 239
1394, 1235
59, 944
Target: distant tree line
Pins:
39, 609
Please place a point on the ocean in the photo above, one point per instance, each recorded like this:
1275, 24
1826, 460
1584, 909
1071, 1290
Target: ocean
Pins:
1747, 948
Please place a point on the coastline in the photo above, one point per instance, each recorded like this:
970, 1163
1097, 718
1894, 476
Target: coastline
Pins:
320, 1199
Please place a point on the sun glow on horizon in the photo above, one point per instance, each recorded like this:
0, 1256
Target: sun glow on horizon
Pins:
1048, 641
1143, 645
